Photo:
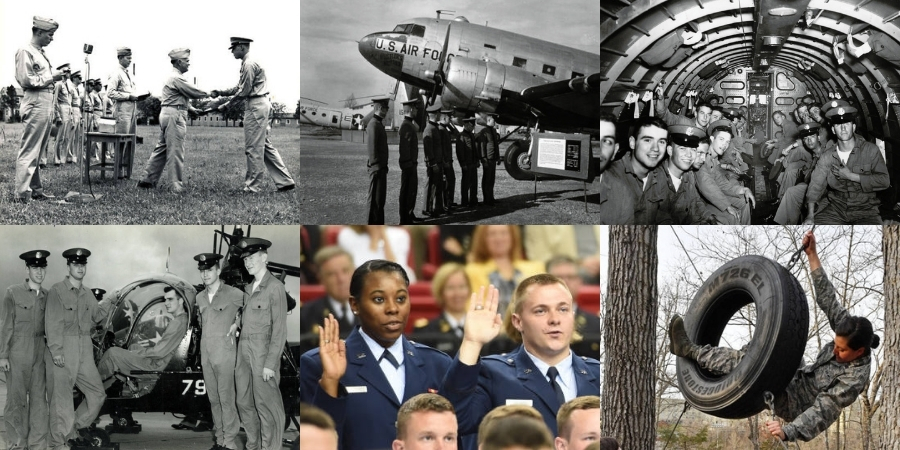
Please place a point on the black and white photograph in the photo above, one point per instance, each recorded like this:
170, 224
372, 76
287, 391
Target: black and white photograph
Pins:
167, 112
760, 112
149, 337
470, 112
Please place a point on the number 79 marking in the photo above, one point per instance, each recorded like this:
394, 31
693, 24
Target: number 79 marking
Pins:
199, 389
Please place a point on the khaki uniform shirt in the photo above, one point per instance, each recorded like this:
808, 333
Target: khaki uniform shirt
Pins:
120, 86
33, 68
265, 318
21, 314
252, 82
178, 90
71, 312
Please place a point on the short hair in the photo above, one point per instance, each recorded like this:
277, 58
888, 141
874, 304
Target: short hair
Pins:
505, 411
705, 140
376, 265
701, 104
564, 415
420, 403
858, 332
645, 122
440, 280
479, 251
326, 253
778, 113
608, 443
518, 300
316, 417
607, 117
168, 289
526, 432
559, 259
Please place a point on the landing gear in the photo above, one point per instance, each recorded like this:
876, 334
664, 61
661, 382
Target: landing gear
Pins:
517, 162
123, 423
93, 438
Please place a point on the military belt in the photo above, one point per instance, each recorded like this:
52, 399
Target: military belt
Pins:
258, 96
256, 337
182, 107
48, 89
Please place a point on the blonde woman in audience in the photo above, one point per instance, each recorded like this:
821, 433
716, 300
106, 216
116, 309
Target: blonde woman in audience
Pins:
496, 259
451, 291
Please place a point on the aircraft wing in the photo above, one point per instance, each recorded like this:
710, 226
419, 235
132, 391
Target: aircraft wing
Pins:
579, 95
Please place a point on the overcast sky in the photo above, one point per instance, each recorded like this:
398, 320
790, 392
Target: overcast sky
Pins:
121, 254
153, 30
332, 67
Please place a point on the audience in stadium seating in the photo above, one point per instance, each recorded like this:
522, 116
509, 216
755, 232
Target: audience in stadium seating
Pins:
368, 242
497, 258
335, 267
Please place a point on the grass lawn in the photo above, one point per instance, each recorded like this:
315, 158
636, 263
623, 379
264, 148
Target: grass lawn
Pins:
214, 167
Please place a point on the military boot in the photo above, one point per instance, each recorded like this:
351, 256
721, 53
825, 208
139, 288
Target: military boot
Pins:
679, 342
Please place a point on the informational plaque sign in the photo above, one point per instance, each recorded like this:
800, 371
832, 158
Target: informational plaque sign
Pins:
563, 155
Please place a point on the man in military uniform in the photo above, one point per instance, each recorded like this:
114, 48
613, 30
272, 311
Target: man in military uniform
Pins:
702, 113
586, 324
62, 114
74, 152
121, 89
88, 113
218, 305
468, 161
447, 129
335, 267
377, 149
72, 313
34, 74
23, 355
260, 152
488, 143
176, 103
434, 161
731, 200
409, 161
263, 335
848, 176
791, 205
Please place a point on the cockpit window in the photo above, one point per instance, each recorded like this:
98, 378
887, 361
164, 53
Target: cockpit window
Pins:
400, 28
417, 30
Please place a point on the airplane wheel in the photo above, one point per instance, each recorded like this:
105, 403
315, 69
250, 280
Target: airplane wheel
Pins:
515, 161
121, 422
99, 437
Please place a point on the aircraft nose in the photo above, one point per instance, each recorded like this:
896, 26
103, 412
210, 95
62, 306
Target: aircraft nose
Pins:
386, 61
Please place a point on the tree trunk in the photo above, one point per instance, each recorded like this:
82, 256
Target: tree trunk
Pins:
890, 411
629, 337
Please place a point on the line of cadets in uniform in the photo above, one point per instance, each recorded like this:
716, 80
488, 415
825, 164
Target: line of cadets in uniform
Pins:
472, 151
683, 170
41, 374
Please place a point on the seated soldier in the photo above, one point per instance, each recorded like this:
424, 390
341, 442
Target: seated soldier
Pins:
142, 355
791, 204
847, 175
731, 200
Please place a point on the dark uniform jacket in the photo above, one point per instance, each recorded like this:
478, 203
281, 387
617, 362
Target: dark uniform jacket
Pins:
446, 145
620, 190
409, 144
365, 410
661, 204
376, 145
433, 144
437, 333
865, 159
588, 325
716, 188
488, 144
312, 317
465, 149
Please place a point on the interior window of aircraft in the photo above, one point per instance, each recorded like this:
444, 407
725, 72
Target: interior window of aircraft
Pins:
732, 85
735, 100
549, 70
519, 62
783, 82
417, 30
334, 119
784, 101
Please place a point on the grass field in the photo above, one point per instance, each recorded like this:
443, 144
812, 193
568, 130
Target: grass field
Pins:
214, 167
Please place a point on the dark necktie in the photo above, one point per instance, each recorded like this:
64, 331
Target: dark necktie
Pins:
552, 373
388, 356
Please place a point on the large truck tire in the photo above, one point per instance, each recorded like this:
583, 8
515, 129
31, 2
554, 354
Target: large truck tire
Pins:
775, 350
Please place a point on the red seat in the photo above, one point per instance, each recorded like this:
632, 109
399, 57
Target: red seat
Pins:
311, 292
433, 257
589, 298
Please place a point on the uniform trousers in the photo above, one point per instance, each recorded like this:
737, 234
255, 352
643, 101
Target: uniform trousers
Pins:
434, 198
26, 413
488, 176
840, 213
790, 209
409, 184
73, 153
449, 183
259, 150
79, 371
259, 402
469, 185
377, 196
37, 108
63, 134
218, 356
170, 149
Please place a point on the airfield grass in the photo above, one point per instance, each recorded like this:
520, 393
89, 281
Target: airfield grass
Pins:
214, 168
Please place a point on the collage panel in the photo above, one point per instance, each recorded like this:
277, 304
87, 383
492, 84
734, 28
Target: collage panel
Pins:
477, 336
750, 337
174, 114
106, 330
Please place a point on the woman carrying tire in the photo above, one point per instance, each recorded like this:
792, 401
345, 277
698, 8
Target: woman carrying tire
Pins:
818, 392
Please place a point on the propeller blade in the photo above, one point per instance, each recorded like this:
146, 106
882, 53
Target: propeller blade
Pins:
439, 74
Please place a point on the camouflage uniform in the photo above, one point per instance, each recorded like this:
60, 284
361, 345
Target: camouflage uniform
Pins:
818, 392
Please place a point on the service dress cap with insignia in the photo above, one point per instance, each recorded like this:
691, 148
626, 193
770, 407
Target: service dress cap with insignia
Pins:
446, 110
235, 41
64, 67
835, 104
76, 255
98, 293
35, 258
719, 125
686, 135
841, 114
381, 99
469, 120
123, 51
180, 53
435, 108
207, 260
730, 114
808, 129
76, 74
414, 101
249, 246
45, 24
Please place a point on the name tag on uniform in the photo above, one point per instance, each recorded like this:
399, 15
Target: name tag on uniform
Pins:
513, 401
357, 389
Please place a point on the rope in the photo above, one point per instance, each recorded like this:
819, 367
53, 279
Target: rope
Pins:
686, 407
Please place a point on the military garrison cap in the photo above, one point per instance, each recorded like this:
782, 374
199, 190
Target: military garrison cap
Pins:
76, 255
381, 99
686, 135
841, 114
98, 293
123, 51
720, 125
207, 260
35, 258
42, 23
235, 41
249, 246
180, 53
808, 129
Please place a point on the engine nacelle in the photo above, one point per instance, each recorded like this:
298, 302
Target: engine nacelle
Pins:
478, 84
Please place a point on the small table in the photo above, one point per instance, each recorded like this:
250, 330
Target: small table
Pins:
123, 155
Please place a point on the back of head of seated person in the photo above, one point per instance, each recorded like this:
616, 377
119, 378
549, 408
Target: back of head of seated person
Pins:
501, 412
518, 433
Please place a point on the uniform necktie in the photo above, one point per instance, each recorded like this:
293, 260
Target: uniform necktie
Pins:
388, 356
552, 373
